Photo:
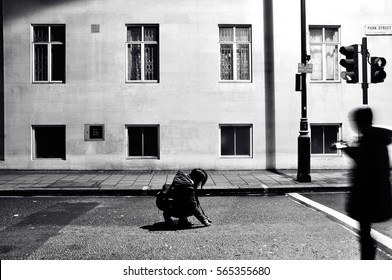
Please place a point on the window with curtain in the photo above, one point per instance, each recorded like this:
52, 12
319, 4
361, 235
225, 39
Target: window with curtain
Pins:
235, 53
48, 53
142, 53
324, 53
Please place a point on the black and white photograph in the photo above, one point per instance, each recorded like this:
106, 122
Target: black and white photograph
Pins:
235, 136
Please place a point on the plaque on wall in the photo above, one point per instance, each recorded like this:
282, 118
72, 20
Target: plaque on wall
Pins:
94, 132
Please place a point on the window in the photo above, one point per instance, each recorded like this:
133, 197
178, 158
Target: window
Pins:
236, 140
142, 53
49, 53
143, 141
324, 53
235, 53
94, 132
49, 141
322, 136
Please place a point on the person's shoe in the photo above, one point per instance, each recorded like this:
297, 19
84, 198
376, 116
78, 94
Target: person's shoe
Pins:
168, 220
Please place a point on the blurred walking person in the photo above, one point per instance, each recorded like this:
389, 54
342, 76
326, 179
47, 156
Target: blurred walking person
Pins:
370, 200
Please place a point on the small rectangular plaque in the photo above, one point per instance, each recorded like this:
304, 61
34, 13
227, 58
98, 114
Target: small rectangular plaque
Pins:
94, 132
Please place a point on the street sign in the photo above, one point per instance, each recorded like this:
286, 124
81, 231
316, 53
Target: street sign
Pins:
305, 68
378, 29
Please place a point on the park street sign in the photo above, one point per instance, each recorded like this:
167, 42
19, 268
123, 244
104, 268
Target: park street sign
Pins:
378, 29
305, 68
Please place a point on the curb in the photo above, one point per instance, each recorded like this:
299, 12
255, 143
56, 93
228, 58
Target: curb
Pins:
383, 242
149, 191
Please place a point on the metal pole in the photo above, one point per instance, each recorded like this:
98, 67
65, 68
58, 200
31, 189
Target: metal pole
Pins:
2, 129
303, 174
365, 84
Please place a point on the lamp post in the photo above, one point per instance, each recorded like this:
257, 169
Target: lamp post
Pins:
365, 84
303, 172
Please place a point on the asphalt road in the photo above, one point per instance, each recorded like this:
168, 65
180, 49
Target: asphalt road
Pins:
131, 228
337, 202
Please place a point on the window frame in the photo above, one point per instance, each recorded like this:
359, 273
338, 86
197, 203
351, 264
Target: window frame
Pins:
49, 45
234, 43
338, 137
142, 43
323, 52
128, 156
250, 126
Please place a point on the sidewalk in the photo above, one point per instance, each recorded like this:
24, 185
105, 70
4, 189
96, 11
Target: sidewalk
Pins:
108, 182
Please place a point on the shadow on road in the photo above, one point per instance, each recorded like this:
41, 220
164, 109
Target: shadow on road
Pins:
22, 239
162, 226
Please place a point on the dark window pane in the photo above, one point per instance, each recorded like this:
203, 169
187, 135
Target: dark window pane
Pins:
135, 136
330, 136
151, 141
243, 62
243, 140
227, 141
58, 62
57, 34
151, 62
41, 34
50, 142
317, 139
40, 63
226, 62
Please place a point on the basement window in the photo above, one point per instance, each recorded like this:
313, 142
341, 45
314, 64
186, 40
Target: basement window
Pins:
323, 136
49, 142
236, 140
143, 141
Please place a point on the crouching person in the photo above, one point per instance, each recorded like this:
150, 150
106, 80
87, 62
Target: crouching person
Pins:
185, 202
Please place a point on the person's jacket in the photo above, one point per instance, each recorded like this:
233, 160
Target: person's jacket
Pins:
185, 200
371, 193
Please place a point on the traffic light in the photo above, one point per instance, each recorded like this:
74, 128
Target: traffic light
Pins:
350, 63
377, 73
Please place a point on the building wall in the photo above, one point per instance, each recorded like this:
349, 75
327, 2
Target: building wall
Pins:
189, 102
327, 102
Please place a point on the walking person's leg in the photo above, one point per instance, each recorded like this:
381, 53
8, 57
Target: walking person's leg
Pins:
368, 248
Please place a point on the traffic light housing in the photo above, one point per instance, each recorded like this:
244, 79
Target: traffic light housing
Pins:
377, 73
350, 63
